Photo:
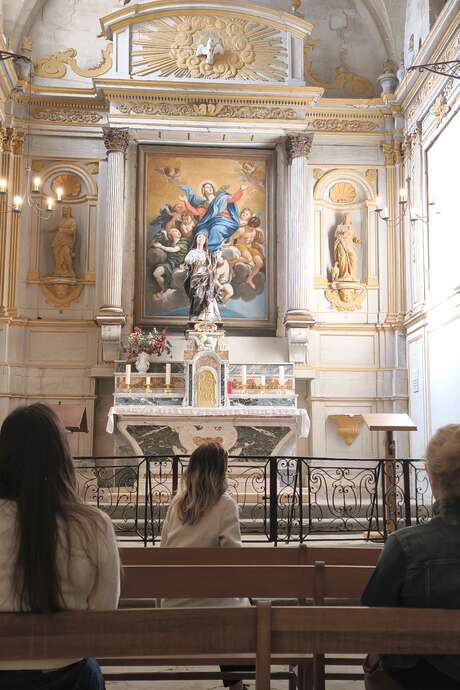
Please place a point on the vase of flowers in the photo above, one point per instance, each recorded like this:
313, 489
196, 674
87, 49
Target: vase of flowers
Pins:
143, 345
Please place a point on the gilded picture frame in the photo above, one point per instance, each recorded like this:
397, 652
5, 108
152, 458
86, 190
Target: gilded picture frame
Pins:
174, 184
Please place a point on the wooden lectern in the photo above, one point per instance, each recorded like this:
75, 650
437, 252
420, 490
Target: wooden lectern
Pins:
389, 422
73, 417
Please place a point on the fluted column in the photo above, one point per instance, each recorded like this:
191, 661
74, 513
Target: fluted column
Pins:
110, 314
299, 283
12, 146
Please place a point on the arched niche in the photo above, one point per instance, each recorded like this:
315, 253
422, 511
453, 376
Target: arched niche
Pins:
81, 195
336, 193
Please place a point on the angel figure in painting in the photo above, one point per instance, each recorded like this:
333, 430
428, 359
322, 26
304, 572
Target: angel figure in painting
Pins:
216, 212
248, 239
201, 285
63, 245
345, 243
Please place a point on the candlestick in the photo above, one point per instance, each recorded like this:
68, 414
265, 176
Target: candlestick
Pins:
244, 375
378, 204
403, 195
282, 379
128, 375
59, 193
385, 213
148, 387
36, 184
168, 374
17, 204
3, 186
49, 204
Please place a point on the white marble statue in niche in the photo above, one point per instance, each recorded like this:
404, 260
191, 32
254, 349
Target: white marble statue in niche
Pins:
201, 284
345, 243
63, 245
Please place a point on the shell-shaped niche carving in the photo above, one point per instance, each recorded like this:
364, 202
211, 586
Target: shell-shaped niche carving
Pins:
342, 193
69, 183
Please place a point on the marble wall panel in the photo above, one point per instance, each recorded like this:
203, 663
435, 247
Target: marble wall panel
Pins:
348, 349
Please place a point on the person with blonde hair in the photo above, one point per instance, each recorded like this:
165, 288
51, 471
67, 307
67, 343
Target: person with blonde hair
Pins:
420, 568
204, 515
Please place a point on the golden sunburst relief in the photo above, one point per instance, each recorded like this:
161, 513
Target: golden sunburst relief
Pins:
250, 51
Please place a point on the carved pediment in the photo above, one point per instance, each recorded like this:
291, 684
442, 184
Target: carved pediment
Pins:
197, 41
208, 47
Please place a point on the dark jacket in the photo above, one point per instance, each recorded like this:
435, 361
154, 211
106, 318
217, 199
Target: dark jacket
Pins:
420, 568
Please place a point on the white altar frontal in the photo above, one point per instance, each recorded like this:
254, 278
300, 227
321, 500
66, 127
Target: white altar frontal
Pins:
250, 409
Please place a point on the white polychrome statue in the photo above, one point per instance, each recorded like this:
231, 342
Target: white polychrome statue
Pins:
212, 48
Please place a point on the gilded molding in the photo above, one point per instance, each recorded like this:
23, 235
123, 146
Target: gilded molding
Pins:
55, 66
348, 426
74, 116
342, 193
298, 146
440, 108
208, 108
425, 86
342, 124
61, 295
318, 173
345, 298
209, 47
116, 139
93, 167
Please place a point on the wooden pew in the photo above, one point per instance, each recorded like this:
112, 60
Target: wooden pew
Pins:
262, 633
250, 555
313, 582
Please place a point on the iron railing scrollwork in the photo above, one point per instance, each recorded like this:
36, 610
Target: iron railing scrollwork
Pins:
281, 499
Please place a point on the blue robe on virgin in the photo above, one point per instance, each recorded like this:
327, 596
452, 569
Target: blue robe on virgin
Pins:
217, 227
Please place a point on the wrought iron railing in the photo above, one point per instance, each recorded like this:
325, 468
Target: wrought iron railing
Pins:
281, 499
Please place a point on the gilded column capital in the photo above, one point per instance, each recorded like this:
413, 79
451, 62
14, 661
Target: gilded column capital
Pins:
13, 140
116, 139
3, 138
298, 146
389, 153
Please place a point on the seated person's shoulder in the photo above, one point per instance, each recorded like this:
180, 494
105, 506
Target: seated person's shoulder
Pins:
227, 501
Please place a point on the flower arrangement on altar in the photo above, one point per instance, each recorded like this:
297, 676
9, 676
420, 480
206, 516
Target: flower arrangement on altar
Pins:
142, 344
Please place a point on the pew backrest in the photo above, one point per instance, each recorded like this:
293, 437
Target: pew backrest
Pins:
315, 582
250, 555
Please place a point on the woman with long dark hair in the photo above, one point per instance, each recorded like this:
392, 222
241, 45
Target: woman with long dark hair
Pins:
204, 515
55, 552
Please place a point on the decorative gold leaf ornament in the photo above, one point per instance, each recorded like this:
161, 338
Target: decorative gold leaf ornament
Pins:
248, 50
69, 183
342, 193
353, 85
54, 66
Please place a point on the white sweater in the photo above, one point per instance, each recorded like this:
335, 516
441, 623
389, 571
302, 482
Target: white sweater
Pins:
89, 574
219, 527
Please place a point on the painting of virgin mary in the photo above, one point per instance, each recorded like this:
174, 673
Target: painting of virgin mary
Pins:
189, 192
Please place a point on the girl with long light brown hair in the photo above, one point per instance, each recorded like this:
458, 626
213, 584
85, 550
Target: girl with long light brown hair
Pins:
204, 515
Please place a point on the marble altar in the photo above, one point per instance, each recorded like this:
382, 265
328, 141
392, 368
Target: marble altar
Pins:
251, 409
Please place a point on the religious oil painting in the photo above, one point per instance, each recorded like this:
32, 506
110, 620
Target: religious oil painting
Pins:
219, 198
